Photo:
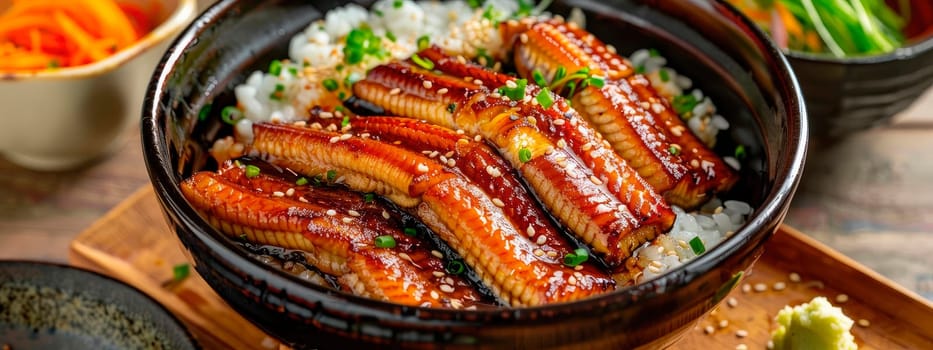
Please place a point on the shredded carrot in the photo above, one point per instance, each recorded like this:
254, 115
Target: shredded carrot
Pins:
42, 34
790, 22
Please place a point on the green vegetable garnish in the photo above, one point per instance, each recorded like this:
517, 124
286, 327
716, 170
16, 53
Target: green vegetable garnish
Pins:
684, 103
293, 71
411, 231
345, 121
740, 152
252, 171
204, 112
578, 257
361, 42
455, 267
674, 150
385, 241
422, 62
275, 67
539, 78
397, 4
516, 93
331, 175
279, 92
451, 107
231, 115
330, 84
423, 42
475, 4
369, 197
391, 36
544, 99
696, 244
180, 272
524, 155
664, 75
301, 181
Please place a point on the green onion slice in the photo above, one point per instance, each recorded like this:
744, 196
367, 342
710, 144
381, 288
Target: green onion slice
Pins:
330, 84
578, 257
180, 272
544, 98
422, 62
301, 181
252, 171
411, 231
697, 245
423, 42
231, 115
524, 155
455, 267
275, 67
385, 241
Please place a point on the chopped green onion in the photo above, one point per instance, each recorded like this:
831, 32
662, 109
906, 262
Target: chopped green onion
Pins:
451, 107
740, 152
53, 64
345, 121
316, 179
243, 237
378, 12
560, 73
204, 112
278, 93
409, 231
482, 56
524, 155
455, 267
684, 103
397, 4
391, 36
369, 197
330, 84
573, 88
674, 150
653, 52
301, 181
422, 62
230, 115
180, 272
361, 42
252, 171
664, 75
697, 245
475, 4
595, 81
539, 78
385, 241
578, 257
517, 93
492, 14
331, 175
544, 98
341, 95
275, 67
293, 71
639, 69
423, 42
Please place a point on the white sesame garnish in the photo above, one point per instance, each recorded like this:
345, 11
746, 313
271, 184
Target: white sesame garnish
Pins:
451, 163
794, 277
385, 215
353, 213
493, 171
561, 143
587, 146
596, 180
442, 91
434, 295
842, 298
290, 192
478, 138
438, 273
326, 115
741, 333
572, 281
741, 346
331, 212
422, 168
760, 287
530, 231
437, 254
302, 199
498, 202
347, 220
427, 84
708, 329
541, 240
523, 38
723, 323
278, 194
559, 122
449, 154
769, 345
746, 288
395, 91
538, 252
404, 256
447, 288
345, 137
510, 84
578, 267
864, 323
732, 302
334, 139
460, 132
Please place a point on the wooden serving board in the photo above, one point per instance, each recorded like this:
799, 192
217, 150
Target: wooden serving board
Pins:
133, 243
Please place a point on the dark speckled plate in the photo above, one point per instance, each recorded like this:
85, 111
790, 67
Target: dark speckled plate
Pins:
49, 306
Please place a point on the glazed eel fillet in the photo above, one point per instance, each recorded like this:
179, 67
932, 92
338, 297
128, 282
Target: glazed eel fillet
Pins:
626, 110
577, 177
336, 230
460, 212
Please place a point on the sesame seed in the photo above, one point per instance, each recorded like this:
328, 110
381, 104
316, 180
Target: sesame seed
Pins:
460, 132
345, 137
842, 298
302, 199
447, 288
741, 333
449, 280
746, 288
477, 82
468, 79
559, 122
769, 345
510, 84
449, 154
278, 194
442, 159
561, 143
478, 138
708, 329
427, 84
493, 171
587, 146
695, 163
438, 273
331, 212
578, 267
530, 231
422, 168
779, 286
864, 323
404, 256
353, 213
611, 49
538, 252
732, 302
760, 287
395, 91
498, 202
326, 115
794, 277
385, 215
471, 307
553, 254
541, 240
451, 163
434, 294
437, 254
432, 154
290, 192
523, 38
456, 303
334, 139
442, 91
741, 347
595, 180
347, 220
572, 281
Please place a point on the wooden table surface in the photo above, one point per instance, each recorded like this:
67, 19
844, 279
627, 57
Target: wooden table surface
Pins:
870, 197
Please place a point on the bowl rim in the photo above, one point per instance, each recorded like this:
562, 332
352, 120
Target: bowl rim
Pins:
183, 12
137, 292
176, 207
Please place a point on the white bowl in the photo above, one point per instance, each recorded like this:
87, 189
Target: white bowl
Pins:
63, 118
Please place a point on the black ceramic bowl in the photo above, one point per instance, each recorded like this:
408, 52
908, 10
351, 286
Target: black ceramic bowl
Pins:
726, 55
49, 306
846, 95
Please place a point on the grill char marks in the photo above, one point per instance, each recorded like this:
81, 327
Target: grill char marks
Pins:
613, 210
627, 111
460, 212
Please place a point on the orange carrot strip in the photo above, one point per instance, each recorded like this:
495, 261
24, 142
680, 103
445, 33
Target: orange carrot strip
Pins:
79, 36
790, 22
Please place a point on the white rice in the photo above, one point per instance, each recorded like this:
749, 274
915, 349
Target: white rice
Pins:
317, 52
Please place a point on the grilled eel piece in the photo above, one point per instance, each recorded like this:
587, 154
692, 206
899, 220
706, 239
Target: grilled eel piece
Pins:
337, 231
482, 166
460, 212
582, 182
626, 110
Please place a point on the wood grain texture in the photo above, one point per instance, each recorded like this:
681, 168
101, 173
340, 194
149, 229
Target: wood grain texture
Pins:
134, 244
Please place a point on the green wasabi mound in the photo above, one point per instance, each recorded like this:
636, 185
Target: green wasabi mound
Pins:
815, 325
